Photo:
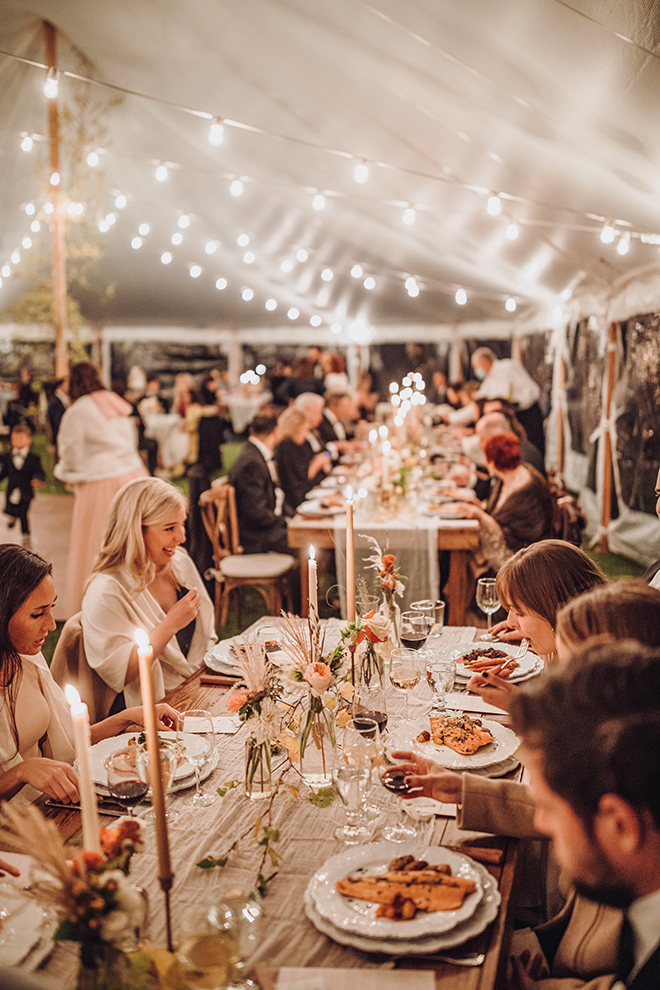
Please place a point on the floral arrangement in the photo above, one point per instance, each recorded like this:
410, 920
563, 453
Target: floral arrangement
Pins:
369, 629
389, 577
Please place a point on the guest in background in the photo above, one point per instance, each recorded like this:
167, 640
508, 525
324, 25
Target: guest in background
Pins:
58, 404
336, 423
508, 379
302, 379
98, 454
153, 402
260, 502
142, 578
299, 468
182, 397
23, 470
495, 424
335, 378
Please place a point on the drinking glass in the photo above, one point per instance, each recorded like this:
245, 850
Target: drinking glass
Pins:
488, 601
438, 620
124, 783
209, 950
426, 607
351, 783
199, 722
169, 760
363, 744
414, 630
405, 673
393, 779
440, 673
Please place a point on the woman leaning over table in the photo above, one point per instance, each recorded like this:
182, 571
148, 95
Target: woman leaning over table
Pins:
142, 578
36, 735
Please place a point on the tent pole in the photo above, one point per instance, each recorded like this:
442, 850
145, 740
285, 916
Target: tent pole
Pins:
57, 223
515, 349
606, 509
561, 386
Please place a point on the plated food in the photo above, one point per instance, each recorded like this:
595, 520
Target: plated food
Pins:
460, 733
476, 658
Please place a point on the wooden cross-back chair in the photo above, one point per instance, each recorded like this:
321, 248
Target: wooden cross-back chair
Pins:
231, 567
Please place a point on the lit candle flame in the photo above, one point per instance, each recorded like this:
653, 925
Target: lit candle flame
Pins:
72, 696
142, 641
311, 553
349, 494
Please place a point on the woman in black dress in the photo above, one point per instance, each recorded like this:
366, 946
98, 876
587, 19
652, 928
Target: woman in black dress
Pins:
299, 468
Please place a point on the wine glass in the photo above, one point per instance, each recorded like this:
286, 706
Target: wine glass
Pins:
414, 630
426, 607
440, 673
199, 722
352, 783
405, 673
169, 760
124, 783
209, 950
488, 601
363, 744
438, 620
393, 779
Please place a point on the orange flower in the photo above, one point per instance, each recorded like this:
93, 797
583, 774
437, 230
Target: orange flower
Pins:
388, 563
236, 701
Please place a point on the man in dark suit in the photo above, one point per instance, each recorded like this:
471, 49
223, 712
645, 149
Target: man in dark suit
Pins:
260, 503
591, 739
22, 469
332, 430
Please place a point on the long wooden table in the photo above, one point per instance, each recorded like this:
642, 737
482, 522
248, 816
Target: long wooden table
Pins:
288, 937
459, 541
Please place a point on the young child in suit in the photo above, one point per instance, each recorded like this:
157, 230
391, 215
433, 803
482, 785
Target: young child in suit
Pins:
23, 470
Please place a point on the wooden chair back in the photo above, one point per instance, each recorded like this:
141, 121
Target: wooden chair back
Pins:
218, 508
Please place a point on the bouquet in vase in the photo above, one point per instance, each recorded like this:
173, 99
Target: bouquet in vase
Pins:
390, 582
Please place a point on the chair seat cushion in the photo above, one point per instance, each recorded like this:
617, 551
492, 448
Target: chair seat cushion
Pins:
255, 566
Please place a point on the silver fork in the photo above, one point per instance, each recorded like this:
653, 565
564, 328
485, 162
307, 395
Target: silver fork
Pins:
522, 650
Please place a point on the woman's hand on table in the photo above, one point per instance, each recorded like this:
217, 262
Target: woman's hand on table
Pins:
54, 779
506, 633
166, 716
493, 689
424, 777
472, 510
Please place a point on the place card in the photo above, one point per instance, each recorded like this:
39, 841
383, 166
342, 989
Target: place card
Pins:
297, 978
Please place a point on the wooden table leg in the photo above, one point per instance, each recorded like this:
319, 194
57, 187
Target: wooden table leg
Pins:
456, 589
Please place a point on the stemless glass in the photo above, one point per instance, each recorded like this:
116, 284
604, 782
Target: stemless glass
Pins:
169, 759
426, 607
405, 673
440, 673
414, 630
199, 722
124, 784
488, 601
393, 779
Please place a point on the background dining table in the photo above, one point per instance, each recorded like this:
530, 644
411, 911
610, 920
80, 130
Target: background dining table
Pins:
287, 937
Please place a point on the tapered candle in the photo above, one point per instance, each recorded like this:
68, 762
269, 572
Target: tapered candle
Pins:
350, 559
82, 740
145, 655
386, 449
312, 577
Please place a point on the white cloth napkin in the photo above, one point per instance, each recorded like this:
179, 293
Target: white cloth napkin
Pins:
310, 978
421, 809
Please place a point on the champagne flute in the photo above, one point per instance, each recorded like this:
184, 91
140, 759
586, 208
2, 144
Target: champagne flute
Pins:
488, 601
393, 779
169, 759
405, 673
414, 630
200, 752
124, 784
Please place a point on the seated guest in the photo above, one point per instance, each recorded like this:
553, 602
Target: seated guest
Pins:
153, 402
495, 424
36, 735
333, 429
652, 575
142, 578
260, 502
299, 468
520, 508
312, 405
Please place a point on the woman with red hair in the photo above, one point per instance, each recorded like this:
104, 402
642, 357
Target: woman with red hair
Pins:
520, 508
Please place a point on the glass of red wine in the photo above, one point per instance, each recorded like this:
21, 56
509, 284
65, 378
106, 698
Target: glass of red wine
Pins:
393, 779
124, 784
415, 629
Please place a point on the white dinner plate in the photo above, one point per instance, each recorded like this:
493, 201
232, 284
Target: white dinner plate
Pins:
23, 923
525, 666
359, 917
485, 912
221, 657
106, 747
313, 507
504, 745
334, 480
443, 512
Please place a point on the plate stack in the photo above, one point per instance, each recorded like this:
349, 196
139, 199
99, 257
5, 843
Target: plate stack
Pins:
26, 927
353, 922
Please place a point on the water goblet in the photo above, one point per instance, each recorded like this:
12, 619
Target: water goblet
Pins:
352, 783
393, 780
405, 673
124, 782
414, 630
488, 601
199, 722
169, 759
440, 673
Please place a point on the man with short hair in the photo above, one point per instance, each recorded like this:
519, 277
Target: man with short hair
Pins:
339, 410
591, 741
260, 504
507, 379
496, 423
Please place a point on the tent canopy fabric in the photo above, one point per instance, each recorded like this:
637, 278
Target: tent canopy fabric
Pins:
551, 104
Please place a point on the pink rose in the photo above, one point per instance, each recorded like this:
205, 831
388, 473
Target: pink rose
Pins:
236, 701
319, 677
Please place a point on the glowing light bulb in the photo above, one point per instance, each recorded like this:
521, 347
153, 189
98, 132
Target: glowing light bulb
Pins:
512, 231
242, 240
556, 316
247, 294
176, 238
183, 221
318, 203
110, 218
271, 304
623, 247
216, 132
327, 274
236, 188
356, 271
249, 257
369, 282
93, 159
195, 271
409, 215
510, 305
335, 328
144, 229
15, 257
104, 226
260, 369
27, 242
286, 265
35, 226
166, 257
412, 287
383, 432
52, 84
302, 255
48, 208
120, 201
394, 387
211, 247
6, 271
494, 206
221, 284
161, 173
136, 243
407, 381
293, 313
54, 178
461, 297
30, 209
361, 173
27, 143
315, 320
607, 233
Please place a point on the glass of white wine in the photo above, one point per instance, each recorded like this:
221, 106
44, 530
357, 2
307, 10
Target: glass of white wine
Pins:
209, 951
488, 601
405, 673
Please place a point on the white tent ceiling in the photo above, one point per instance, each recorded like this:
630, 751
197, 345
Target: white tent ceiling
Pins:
551, 103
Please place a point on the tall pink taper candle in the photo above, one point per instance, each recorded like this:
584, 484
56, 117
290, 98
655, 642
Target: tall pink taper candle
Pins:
312, 578
350, 559
82, 739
